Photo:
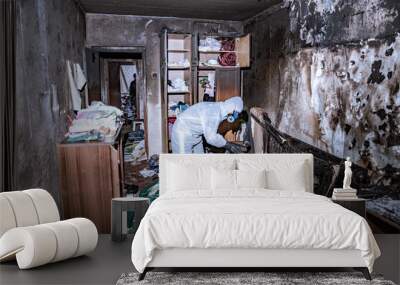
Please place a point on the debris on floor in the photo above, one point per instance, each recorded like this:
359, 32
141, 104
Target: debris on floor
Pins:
147, 173
135, 151
154, 163
140, 172
151, 192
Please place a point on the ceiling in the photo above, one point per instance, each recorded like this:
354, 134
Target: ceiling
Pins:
236, 10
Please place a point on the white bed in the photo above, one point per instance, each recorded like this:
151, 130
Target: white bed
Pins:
198, 223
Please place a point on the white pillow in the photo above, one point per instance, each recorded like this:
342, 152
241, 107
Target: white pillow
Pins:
251, 178
280, 175
193, 176
223, 179
290, 179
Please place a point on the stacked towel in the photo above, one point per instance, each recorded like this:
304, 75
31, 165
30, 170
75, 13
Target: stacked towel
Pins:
339, 193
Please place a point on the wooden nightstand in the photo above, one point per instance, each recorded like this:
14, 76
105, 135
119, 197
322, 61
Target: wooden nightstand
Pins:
355, 205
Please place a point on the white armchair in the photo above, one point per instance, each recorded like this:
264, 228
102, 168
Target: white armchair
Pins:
31, 230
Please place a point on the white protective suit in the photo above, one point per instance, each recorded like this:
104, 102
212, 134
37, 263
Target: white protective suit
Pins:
202, 119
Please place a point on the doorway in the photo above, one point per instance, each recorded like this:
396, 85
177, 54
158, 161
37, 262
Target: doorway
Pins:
116, 76
120, 86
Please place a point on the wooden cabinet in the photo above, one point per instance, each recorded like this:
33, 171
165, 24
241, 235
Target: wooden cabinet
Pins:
242, 49
228, 83
237, 49
221, 67
91, 175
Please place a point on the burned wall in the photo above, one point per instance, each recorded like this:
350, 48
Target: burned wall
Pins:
327, 22
345, 101
137, 31
49, 32
328, 73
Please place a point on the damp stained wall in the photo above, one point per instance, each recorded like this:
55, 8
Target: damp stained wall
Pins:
137, 31
328, 73
49, 32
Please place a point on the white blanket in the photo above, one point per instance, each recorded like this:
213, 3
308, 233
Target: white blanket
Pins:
250, 219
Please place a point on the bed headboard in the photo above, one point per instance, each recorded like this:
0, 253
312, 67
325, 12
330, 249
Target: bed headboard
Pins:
210, 159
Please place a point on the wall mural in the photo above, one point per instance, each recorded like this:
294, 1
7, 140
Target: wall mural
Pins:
335, 89
346, 102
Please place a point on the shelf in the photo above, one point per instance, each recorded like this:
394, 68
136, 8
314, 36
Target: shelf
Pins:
205, 67
218, 51
177, 92
178, 67
179, 50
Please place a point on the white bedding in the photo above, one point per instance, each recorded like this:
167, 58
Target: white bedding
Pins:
252, 218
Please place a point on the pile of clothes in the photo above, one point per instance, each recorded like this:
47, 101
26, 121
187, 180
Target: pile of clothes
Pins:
227, 58
175, 108
177, 85
209, 44
98, 122
135, 151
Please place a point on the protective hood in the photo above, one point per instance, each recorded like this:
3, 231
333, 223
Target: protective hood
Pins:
230, 105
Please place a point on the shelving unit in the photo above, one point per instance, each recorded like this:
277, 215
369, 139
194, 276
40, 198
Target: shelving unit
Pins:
182, 59
240, 50
227, 79
177, 70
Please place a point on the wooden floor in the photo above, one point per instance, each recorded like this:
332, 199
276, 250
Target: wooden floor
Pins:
110, 260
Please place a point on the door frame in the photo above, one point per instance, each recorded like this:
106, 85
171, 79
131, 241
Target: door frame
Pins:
142, 91
104, 82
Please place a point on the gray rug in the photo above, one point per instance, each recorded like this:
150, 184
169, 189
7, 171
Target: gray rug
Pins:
243, 278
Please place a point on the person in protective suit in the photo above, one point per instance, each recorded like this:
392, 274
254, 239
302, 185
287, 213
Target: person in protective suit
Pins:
224, 127
203, 119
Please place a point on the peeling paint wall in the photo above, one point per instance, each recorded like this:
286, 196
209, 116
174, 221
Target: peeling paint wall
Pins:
133, 31
323, 78
49, 32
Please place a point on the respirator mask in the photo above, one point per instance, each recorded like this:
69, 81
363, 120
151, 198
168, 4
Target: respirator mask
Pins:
232, 117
